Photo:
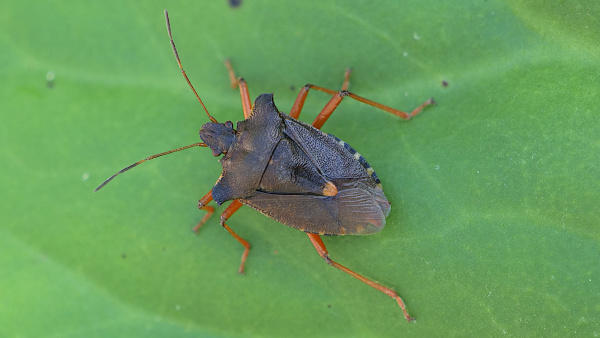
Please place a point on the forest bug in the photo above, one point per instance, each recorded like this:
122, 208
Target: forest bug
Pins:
292, 172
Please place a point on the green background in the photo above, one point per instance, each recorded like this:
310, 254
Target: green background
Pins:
494, 191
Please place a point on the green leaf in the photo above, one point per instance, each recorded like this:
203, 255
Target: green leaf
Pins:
494, 224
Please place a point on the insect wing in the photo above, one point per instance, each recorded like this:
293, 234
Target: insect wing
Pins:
353, 211
333, 160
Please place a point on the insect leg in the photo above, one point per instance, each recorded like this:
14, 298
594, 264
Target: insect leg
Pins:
346, 83
244, 93
202, 205
231, 209
338, 96
318, 243
299, 103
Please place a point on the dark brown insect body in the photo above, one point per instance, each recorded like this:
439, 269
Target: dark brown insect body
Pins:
296, 174
292, 172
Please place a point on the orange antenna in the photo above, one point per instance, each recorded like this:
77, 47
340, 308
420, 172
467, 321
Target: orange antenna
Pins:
147, 159
212, 119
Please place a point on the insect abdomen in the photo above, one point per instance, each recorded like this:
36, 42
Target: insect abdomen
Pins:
357, 156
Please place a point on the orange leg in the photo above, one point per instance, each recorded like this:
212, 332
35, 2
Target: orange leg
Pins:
244, 93
231, 209
299, 103
337, 98
202, 205
346, 83
318, 243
